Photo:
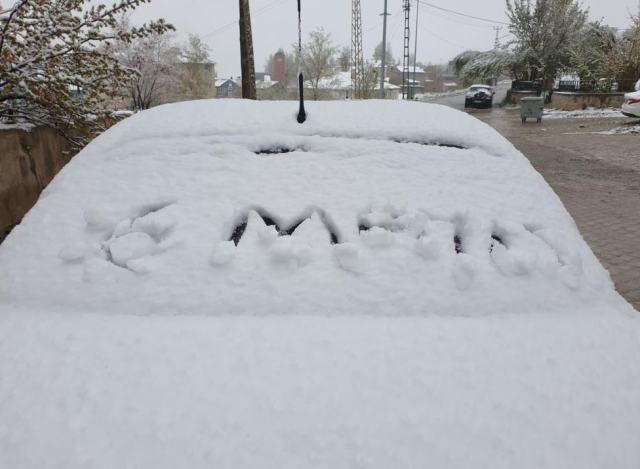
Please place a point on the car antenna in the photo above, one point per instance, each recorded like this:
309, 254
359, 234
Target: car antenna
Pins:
302, 115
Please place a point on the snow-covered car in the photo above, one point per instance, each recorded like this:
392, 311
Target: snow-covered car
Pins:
631, 105
212, 284
480, 96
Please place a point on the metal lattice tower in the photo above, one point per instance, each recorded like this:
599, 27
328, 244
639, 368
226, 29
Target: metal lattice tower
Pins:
357, 57
497, 29
406, 76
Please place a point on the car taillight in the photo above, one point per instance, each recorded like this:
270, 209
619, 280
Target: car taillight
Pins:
633, 101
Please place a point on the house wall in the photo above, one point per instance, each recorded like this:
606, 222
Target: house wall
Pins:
576, 101
29, 160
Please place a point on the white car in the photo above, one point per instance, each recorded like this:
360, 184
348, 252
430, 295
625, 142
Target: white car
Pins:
212, 284
631, 106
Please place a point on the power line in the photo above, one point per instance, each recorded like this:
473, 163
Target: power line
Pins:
462, 14
443, 16
443, 39
258, 12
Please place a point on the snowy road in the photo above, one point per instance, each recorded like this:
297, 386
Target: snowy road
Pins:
457, 101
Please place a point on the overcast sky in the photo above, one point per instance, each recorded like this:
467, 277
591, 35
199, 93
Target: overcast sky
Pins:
441, 35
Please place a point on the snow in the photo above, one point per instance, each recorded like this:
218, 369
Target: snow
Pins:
540, 391
437, 95
589, 113
409, 69
211, 284
634, 95
17, 126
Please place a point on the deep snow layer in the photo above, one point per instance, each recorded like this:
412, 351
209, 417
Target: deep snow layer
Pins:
437, 307
528, 392
140, 221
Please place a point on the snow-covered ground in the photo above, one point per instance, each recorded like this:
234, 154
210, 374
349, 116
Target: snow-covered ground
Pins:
589, 113
633, 129
430, 96
211, 284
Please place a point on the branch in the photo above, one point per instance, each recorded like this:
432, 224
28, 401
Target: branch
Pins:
13, 11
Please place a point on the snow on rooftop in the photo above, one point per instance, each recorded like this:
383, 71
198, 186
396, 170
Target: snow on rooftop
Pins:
410, 69
211, 284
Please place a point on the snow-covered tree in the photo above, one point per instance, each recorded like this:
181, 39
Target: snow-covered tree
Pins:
545, 31
196, 51
462, 59
197, 69
488, 64
624, 59
57, 63
318, 58
587, 56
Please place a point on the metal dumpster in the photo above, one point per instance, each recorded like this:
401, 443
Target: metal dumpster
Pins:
532, 108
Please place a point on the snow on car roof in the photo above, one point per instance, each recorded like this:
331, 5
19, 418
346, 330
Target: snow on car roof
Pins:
211, 284
192, 198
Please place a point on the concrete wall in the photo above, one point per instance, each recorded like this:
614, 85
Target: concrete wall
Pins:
576, 101
29, 159
515, 96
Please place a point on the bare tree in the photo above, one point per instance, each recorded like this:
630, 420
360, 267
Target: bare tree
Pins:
377, 54
155, 60
268, 65
344, 59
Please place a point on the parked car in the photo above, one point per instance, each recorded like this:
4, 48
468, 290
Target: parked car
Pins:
479, 96
631, 106
210, 284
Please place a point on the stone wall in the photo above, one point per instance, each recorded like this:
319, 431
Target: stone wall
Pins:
29, 160
576, 101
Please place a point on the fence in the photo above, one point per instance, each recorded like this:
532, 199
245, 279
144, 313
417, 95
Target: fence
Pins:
596, 86
527, 86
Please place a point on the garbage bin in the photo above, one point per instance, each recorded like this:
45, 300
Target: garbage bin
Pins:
532, 107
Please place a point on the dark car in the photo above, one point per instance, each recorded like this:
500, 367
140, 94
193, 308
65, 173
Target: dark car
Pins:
480, 96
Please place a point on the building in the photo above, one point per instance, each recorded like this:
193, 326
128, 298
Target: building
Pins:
417, 77
340, 86
226, 88
448, 82
279, 67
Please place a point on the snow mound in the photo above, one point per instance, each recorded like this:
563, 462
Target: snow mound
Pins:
232, 207
211, 284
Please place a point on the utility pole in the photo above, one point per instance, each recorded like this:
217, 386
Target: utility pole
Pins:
384, 51
497, 29
246, 53
415, 49
407, 39
357, 57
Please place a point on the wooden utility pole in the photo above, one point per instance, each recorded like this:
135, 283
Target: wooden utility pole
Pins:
246, 53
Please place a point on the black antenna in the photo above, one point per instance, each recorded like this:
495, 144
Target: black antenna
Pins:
302, 115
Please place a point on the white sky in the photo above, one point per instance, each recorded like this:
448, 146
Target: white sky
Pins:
441, 35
